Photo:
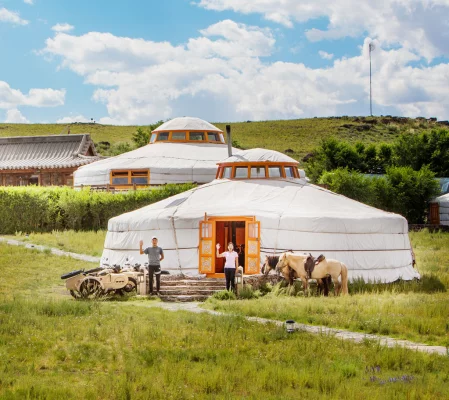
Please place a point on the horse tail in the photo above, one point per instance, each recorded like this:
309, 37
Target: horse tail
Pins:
344, 279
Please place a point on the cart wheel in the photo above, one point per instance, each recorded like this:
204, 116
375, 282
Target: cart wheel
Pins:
130, 286
75, 294
90, 289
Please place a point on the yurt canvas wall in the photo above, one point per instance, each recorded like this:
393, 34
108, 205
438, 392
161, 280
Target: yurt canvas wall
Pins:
293, 215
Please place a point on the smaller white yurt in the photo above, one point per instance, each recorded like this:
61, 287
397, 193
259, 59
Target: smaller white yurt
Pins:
260, 203
439, 210
180, 150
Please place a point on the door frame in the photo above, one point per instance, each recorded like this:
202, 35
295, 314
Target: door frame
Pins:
213, 219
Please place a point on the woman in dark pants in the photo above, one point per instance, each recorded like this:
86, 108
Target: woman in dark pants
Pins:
231, 265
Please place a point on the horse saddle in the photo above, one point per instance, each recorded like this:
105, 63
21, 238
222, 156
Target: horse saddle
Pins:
309, 264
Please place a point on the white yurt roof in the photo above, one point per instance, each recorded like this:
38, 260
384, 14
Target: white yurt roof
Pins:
443, 200
168, 163
188, 124
259, 155
293, 215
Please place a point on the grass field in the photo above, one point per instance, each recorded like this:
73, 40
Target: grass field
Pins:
299, 137
52, 347
393, 310
404, 310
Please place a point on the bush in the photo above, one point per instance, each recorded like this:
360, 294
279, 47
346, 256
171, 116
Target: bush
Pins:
224, 295
247, 292
42, 209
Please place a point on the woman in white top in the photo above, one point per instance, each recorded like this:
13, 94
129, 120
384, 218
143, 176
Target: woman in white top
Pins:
231, 265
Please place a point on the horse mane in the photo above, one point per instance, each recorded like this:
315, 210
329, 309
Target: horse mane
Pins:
272, 261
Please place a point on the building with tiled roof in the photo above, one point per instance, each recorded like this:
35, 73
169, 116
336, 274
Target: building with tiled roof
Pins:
44, 160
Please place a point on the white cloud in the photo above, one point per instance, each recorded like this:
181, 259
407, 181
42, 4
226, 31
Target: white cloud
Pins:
222, 75
12, 17
70, 119
14, 116
62, 27
325, 55
11, 98
30, 2
418, 25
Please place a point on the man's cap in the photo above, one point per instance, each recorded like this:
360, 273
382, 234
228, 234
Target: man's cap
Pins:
154, 237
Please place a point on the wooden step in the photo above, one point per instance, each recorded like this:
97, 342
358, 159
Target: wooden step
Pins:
196, 283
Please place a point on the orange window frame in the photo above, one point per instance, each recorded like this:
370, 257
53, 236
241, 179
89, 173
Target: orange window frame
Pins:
187, 139
129, 175
265, 165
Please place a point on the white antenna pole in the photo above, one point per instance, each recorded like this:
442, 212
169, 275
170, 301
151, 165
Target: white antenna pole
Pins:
371, 48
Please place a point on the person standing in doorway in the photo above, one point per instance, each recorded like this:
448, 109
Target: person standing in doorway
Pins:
155, 256
231, 265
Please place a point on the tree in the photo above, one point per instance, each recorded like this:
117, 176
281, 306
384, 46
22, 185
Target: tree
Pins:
142, 136
411, 191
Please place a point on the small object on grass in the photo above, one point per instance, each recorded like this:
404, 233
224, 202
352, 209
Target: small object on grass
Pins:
290, 326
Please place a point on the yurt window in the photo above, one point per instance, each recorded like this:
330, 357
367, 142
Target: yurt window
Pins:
196, 136
162, 136
274, 172
178, 136
258, 172
227, 172
213, 137
120, 178
289, 172
241, 172
139, 177
153, 138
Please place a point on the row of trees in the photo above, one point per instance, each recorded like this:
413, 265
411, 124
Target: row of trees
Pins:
403, 172
401, 190
429, 149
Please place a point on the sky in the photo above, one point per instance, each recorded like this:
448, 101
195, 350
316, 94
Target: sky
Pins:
141, 61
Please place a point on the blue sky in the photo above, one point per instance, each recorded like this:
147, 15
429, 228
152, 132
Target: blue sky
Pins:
221, 60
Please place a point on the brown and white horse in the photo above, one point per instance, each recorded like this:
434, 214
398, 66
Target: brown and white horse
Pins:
290, 274
326, 267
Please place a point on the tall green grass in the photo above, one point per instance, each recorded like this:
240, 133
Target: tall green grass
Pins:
52, 347
80, 350
416, 311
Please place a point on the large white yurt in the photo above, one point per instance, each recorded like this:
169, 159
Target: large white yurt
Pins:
441, 210
260, 203
180, 150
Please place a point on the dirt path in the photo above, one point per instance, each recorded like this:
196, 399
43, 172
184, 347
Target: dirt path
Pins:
356, 337
57, 252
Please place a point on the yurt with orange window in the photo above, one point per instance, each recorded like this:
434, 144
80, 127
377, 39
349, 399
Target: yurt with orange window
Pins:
180, 150
260, 202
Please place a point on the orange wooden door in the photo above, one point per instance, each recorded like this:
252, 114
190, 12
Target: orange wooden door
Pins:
252, 247
207, 247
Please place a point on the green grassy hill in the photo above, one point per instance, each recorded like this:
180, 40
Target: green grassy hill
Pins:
294, 137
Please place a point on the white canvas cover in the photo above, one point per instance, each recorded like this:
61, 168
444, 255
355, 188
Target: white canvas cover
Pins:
293, 215
168, 163
443, 202
187, 124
